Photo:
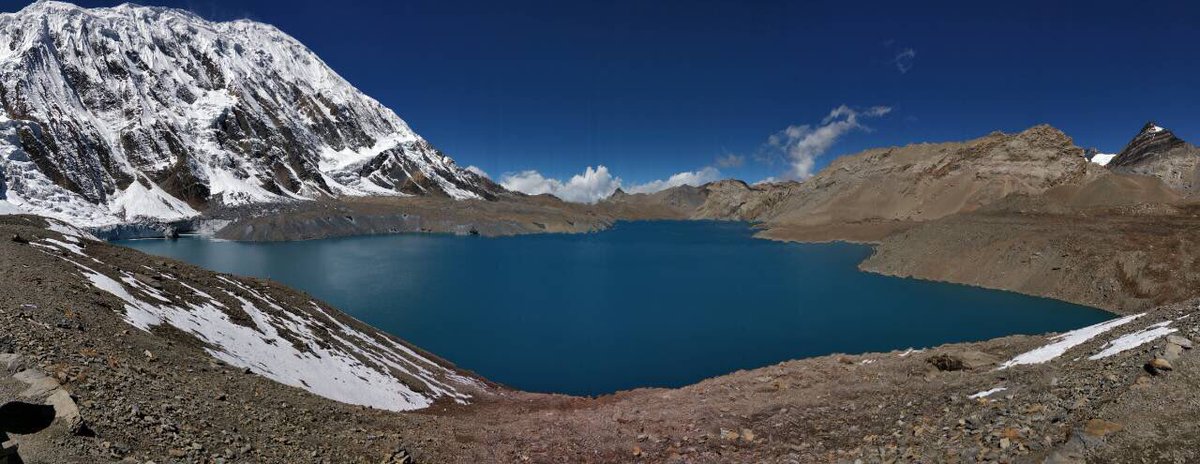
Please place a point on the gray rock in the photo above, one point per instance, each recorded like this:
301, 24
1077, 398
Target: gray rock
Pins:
1172, 352
12, 363
1180, 340
66, 411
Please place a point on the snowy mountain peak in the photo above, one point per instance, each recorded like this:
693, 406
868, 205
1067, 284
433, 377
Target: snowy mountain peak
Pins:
49, 5
1152, 128
119, 114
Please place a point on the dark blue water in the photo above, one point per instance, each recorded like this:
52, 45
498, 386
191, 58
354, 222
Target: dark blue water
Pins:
642, 304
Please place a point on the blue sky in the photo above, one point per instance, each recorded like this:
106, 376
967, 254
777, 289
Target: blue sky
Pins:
649, 89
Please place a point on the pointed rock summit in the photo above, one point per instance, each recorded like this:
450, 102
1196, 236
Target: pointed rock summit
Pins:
1151, 141
1156, 151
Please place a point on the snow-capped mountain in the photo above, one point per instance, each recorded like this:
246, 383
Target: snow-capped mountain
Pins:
1102, 158
112, 115
1157, 152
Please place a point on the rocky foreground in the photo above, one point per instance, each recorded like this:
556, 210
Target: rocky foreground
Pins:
91, 386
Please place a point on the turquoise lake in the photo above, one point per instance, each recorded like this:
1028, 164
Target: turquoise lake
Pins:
642, 304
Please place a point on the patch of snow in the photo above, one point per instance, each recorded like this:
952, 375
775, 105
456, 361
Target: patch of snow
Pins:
987, 393
140, 202
349, 159
9, 208
1065, 341
1103, 158
1133, 340
910, 351
63, 229
236, 191
1155, 129
69, 232
73, 248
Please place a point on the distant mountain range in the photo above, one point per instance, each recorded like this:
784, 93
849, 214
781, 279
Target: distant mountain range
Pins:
113, 115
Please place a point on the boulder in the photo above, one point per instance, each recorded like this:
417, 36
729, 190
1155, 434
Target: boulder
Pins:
40, 385
1181, 341
12, 363
1158, 365
962, 360
66, 411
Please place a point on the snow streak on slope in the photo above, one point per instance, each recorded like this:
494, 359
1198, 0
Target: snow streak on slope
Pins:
97, 101
1067, 340
1133, 340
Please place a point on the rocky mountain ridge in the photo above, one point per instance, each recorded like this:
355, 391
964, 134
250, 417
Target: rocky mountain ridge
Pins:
911, 183
1157, 152
111, 115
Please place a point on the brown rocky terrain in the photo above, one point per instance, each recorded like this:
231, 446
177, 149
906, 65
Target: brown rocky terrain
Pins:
927, 181
161, 396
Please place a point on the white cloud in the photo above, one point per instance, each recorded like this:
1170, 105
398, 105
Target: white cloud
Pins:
591, 186
597, 184
478, 170
904, 60
804, 143
693, 178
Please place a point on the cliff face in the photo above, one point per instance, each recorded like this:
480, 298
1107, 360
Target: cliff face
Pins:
116, 114
1157, 152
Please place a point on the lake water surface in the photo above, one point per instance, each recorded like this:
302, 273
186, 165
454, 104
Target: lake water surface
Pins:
643, 304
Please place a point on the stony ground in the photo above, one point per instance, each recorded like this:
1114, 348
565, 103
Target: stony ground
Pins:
157, 396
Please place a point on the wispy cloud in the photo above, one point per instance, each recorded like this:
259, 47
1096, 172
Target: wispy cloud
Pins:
904, 60
803, 144
478, 170
731, 161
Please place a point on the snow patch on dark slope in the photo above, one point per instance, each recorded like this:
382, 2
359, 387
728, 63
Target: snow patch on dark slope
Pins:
131, 113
